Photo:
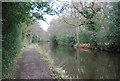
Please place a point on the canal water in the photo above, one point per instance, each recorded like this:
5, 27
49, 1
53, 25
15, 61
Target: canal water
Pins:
83, 63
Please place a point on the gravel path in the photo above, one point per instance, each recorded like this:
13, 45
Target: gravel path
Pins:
31, 66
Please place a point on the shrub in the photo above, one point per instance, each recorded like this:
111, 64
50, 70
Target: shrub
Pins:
54, 40
84, 37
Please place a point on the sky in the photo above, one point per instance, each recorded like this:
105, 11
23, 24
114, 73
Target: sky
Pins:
45, 25
49, 18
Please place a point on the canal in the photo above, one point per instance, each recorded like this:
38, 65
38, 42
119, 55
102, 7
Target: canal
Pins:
83, 63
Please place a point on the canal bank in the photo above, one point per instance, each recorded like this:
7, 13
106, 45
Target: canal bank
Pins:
100, 47
56, 74
83, 64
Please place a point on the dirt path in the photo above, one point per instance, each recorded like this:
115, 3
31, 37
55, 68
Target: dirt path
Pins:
31, 66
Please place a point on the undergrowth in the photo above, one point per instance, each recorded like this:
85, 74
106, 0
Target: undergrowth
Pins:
11, 70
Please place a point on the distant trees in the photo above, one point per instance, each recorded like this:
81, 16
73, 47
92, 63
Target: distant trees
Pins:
96, 23
80, 16
89, 11
61, 33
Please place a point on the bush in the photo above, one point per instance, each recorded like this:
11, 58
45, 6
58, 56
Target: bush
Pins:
11, 46
35, 39
70, 40
84, 37
102, 36
54, 40
64, 39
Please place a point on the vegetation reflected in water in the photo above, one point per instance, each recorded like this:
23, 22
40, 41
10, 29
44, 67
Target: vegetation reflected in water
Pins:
84, 63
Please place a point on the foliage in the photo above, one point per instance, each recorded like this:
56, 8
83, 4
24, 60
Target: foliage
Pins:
54, 40
84, 37
82, 16
90, 14
11, 46
17, 15
63, 39
12, 31
114, 26
102, 36
35, 39
70, 40
97, 23
67, 40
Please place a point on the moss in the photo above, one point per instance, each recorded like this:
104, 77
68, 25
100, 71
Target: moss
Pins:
48, 61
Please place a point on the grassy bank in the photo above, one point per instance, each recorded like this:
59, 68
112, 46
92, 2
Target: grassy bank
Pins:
56, 73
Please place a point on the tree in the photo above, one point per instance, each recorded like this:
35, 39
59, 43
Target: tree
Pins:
16, 16
61, 33
89, 11
84, 16
114, 25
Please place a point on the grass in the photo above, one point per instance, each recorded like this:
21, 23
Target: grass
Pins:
60, 75
56, 74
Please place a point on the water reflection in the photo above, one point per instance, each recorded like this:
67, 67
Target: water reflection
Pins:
84, 63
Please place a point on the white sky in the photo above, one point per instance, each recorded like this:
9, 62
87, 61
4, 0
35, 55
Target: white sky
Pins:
45, 25
49, 18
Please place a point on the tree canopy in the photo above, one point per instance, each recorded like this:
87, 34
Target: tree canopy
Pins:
16, 16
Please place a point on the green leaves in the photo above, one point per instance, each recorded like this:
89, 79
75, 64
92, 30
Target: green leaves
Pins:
14, 15
48, 10
114, 26
54, 40
35, 39
42, 4
67, 40
38, 16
